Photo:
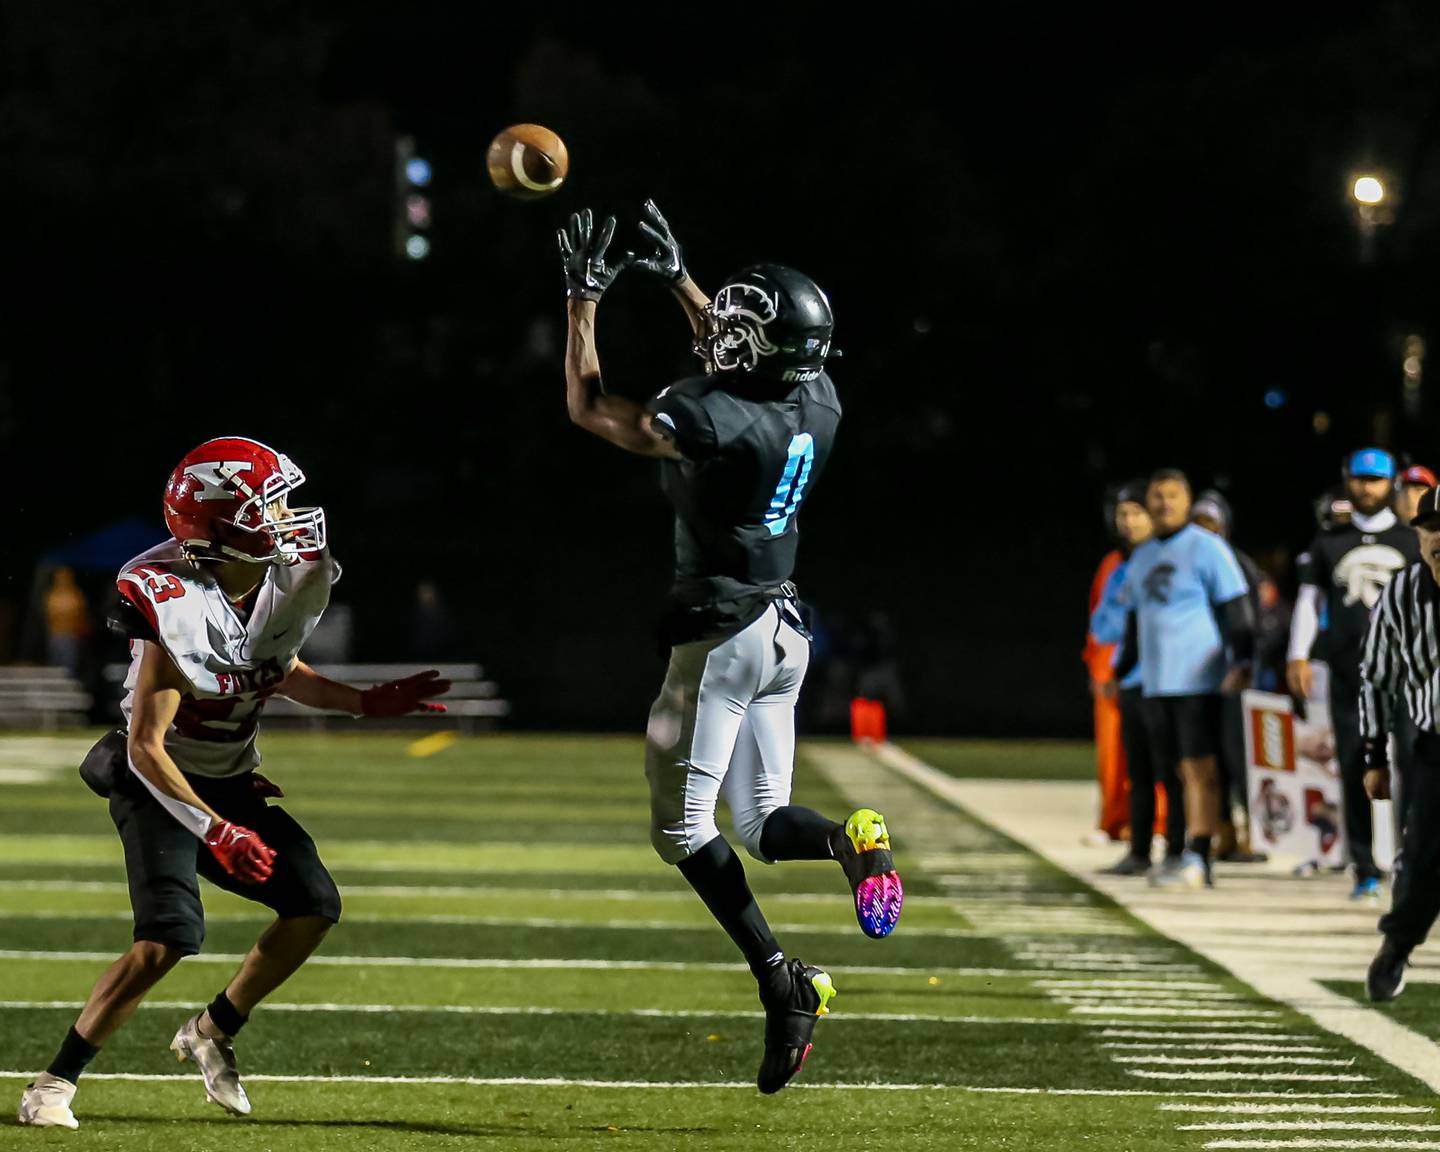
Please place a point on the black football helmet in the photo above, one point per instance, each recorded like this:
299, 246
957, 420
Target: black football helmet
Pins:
769, 319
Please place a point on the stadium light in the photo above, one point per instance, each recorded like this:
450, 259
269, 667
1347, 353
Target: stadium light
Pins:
412, 216
1368, 190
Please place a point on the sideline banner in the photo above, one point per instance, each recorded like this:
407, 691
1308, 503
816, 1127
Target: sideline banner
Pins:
1293, 777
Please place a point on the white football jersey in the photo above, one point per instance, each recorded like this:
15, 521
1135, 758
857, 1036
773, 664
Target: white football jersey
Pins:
232, 665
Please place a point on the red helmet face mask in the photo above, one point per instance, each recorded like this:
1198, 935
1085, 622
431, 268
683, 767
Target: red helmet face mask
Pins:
227, 500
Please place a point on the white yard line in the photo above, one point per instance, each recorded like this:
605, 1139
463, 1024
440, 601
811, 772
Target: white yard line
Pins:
562, 1082
1311, 1143
1187, 1039
1210, 1046
1299, 1077
529, 1010
1042, 816
1307, 1126
324, 960
1245, 1061
1327, 1109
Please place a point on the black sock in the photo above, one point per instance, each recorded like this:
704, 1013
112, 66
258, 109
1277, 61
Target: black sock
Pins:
795, 833
225, 1016
75, 1053
1200, 845
718, 877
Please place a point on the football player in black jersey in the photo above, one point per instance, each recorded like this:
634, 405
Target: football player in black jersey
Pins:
742, 447
1345, 570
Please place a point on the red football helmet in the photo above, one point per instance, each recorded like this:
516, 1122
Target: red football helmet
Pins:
226, 500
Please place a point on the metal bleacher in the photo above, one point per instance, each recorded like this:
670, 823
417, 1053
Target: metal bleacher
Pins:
39, 697
472, 702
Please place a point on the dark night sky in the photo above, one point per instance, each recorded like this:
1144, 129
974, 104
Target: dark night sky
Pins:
1061, 249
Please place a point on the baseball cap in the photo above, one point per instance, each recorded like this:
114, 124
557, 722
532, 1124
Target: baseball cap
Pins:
1428, 510
1375, 462
1418, 474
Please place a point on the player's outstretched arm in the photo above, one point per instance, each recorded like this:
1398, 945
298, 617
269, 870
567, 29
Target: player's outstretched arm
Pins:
157, 700
617, 419
666, 262
396, 698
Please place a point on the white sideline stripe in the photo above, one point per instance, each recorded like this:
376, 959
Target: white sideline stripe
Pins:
528, 1010
1307, 1126
1245, 1061
1327, 1109
1262, 1048
491, 962
1187, 1038
1309, 1143
561, 1082
1308, 1077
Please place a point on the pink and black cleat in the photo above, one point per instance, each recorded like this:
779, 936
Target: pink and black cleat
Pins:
863, 848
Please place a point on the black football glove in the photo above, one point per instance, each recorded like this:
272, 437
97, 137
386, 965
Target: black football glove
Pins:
582, 251
666, 262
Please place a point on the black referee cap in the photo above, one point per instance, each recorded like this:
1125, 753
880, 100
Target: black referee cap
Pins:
1427, 512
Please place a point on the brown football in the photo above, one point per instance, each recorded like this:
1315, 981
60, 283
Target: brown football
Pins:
527, 161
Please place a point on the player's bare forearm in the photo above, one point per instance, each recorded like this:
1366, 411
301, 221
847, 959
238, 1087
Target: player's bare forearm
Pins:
694, 301
617, 419
306, 686
156, 703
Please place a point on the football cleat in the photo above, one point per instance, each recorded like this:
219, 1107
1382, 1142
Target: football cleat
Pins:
790, 1018
1366, 889
1189, 870
45, 1103
216, 1061
1128, 865
862, 847
1386, 978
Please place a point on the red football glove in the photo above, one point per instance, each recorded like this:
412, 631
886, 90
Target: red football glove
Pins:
241, 853
400, 697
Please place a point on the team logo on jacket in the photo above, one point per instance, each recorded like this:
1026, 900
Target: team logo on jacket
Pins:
1363, 572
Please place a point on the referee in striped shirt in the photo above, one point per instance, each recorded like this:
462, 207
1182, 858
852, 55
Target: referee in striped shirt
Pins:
1401, 660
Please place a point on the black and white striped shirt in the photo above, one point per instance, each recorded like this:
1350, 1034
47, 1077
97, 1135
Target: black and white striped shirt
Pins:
1401, 655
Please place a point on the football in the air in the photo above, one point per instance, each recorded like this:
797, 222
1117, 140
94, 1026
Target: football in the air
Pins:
527, 161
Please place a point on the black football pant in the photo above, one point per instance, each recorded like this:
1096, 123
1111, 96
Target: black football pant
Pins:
1350, 751
1417, 877
1141, 766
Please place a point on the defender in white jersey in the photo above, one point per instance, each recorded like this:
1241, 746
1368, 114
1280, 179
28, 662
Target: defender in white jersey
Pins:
216, 617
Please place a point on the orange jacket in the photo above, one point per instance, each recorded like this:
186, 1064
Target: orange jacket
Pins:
1100, 658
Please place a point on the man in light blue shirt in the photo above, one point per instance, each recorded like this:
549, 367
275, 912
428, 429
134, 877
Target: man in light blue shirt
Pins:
1107, 625
1190, 617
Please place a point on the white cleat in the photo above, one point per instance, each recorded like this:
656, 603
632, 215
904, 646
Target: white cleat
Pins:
46, 1103
216, 1061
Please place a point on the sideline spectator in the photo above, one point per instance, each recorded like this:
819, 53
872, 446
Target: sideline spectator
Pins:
1189, 605
1408, 490
67, 622
1232, 836
1133, 527
1113, 818
1348, 569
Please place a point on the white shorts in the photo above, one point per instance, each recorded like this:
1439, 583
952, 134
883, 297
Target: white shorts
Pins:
725, 720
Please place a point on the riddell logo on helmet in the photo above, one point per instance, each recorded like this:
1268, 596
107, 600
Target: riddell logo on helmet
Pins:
799, 375
218, 478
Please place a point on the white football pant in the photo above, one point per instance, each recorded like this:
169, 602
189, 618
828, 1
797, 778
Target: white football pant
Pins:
725, 720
